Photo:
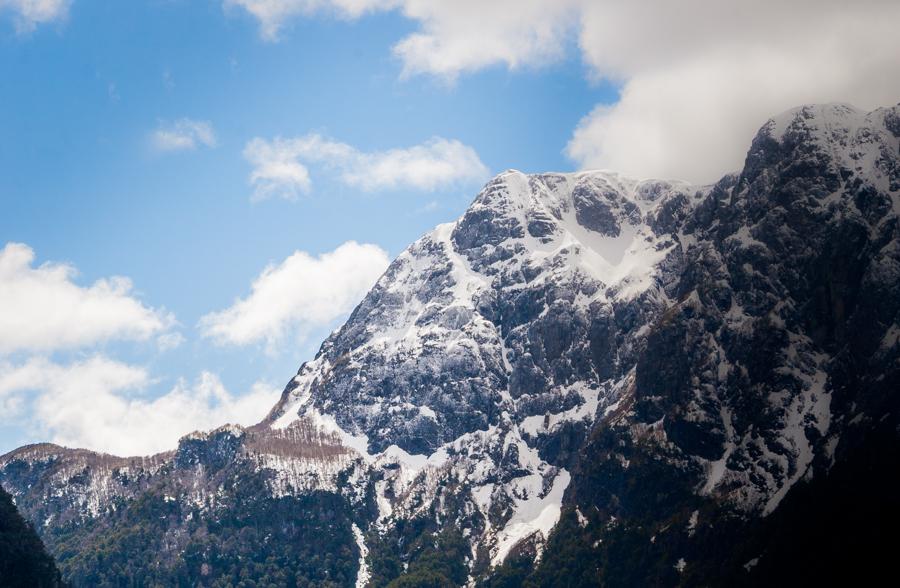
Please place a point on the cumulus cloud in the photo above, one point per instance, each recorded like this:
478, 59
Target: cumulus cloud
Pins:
184, 135
466, 35
43, 309
28, 14
280, 165
300, 293
96, 404
697, 78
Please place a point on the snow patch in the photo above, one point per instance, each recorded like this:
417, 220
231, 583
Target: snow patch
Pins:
363, 575
534, 514
327, 424
692, 523
582, 520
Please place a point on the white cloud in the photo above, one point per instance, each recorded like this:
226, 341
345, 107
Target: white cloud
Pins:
701, 77
454, 36
184, 134
273, 15
92, 404
276, 169
280, 166
42, 308
466, 35
31, 13
300, 293
697, 77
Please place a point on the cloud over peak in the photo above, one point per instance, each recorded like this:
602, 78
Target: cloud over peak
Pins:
699, 78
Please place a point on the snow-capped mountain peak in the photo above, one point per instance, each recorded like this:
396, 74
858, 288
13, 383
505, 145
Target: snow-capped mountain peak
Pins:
650, 366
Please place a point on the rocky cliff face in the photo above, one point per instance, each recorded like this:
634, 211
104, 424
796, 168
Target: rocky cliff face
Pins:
650, 368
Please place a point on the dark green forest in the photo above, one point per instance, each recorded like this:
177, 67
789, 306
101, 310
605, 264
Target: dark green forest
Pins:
23, 560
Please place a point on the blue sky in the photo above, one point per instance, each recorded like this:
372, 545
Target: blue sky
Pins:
81, 182
193, 194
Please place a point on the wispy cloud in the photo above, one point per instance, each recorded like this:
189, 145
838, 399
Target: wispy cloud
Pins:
169, 341
274, 15
168, 80
429, 206
29, 14
43, 309
183, 135
277, 171
96, 403
280, 165
301, 293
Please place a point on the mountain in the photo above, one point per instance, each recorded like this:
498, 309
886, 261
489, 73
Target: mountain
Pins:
585, 380
23, 560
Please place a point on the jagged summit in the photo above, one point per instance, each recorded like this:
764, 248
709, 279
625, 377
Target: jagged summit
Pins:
841, 118
448, 305
864, 144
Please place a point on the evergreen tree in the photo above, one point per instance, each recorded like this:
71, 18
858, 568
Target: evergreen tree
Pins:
23, 560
